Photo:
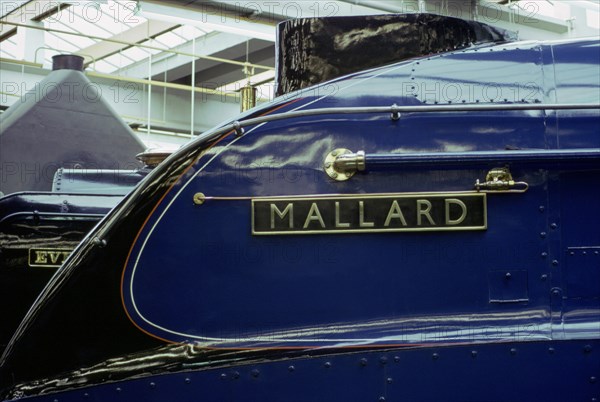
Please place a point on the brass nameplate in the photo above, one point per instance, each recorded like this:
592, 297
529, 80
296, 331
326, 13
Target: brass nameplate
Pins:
369, 213
47, 257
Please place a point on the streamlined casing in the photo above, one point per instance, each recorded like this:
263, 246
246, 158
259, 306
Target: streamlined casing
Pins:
197, 300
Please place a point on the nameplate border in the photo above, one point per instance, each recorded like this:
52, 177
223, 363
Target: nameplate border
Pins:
339, 197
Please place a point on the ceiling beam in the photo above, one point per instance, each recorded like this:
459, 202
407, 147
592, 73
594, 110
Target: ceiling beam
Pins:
23, 14
211, 44
139, 33
197, 17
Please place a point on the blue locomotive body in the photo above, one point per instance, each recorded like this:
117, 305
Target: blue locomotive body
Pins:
422, 231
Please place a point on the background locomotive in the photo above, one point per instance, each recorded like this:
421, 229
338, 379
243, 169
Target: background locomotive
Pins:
66, 158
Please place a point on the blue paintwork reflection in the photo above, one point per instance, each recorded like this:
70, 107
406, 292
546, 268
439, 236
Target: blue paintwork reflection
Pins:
510, 313
327, 290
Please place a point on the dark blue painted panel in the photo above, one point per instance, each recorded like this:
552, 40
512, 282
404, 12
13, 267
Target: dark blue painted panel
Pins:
195, 273
319, 287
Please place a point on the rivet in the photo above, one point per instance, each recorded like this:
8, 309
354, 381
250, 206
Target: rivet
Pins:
334, 153
585, 253
291, 368
334, 175
327, 165
513, 351
86, 395
544, 254
544, 277
118, 389
556, 292
596, 252
551, 351
553, 226
255, 373
473, 353
435, 356
235, 375
543, 235
99, 242
152, 385
327, 364
382, 399
396, 359
593, 380
572, 253
555, 262
390, 380
363, 362
383, 360
587, 348
223, 376
508, 275
187, 381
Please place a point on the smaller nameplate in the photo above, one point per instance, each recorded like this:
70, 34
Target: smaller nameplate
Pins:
369, 213
47, 257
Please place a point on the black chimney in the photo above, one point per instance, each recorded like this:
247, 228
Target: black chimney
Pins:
67, 62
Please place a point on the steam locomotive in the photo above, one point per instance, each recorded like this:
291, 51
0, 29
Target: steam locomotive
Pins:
66, 159
422, 230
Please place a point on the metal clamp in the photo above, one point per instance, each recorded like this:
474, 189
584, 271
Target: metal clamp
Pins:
341, 164
500, 180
